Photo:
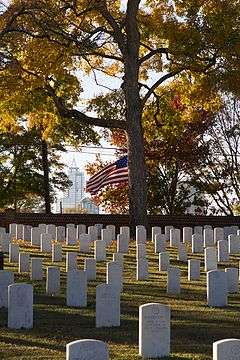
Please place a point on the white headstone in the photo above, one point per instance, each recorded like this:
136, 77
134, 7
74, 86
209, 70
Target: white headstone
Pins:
53, 280
218, 234
113, 230
76, 288
93, 232
210, 258
187, 235
232, 280
227, 349
173, 280
81, 229
90, 268
141, 251
208, 237
27, 232
174, 237
155, 230
119, 257
71, 261
193, 269
6, 279
13, 253
167, 231
100, 250
23, 264
234, 244
51, 229
164, 261
13, 230
19, 235
106, 235
107, 306
60, 233
125, 230
217, 288
35, 236
198, 230
114, 275
142, 269
223, 255
122, 243
141, 235
87, 350
85, 243
160, 243
71, 235
46, 243
197, 243
182, 252
43, 228
154, 330
5, 242
56, 252
36, 269
20, 306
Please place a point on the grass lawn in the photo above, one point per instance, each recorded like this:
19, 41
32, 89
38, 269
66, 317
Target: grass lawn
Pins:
194, 326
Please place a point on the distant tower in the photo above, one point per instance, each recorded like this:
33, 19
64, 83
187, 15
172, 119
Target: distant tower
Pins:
76, 190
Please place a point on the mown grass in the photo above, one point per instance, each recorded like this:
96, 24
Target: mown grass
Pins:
194, 326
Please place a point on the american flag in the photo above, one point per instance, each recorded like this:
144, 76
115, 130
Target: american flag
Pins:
111, 174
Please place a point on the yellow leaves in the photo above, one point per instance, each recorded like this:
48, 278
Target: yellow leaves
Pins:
45, 121
8, 123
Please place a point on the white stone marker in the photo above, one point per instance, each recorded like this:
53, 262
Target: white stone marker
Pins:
87, 349
99, 228
232, 280
122, 243
43, 228
223, 255
100, 250
198, 230
155, 230
113, 230
164, 261
159, 243
6, 279
154, 330
46, 243
13, 253
173, 280
217, 288
19, 235
174, 237
187, 235
106, 235
90, 268
114, 275
36, 269
53, 280
142, 269
20, 306
182, 252
60, 233
51, 229
167, 231
81, 229
27, 232
93, 232
227, 349
118, 257
141, 251
5, 242
197, 243
13, 230
77, 288
71, 236
23, 264
141, 235
71, 261
193, 269
35, 236
56, 252
234, 244
125, 230
218, 234
210, 258
208, 238
107, 306
85, 243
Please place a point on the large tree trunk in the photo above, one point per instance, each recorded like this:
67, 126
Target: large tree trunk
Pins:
136, 159
45, 166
